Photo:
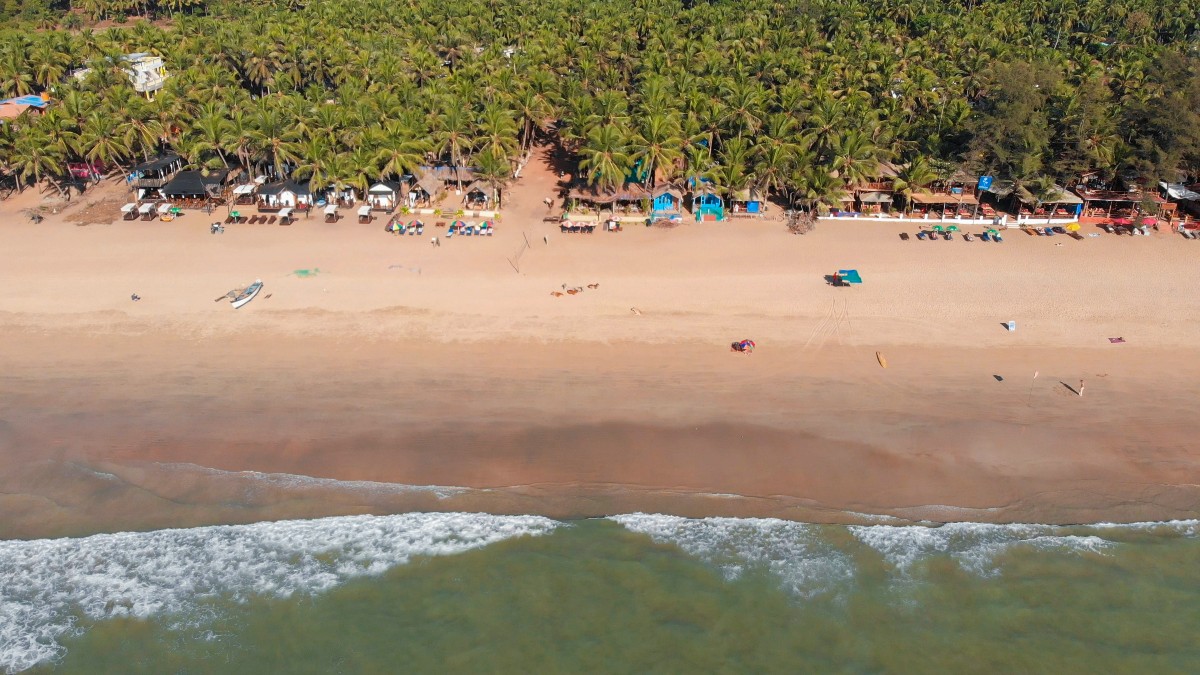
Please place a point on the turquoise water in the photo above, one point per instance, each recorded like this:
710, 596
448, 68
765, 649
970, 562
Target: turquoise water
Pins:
639, 593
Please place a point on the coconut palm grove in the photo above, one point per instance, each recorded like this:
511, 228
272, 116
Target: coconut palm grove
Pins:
801, 99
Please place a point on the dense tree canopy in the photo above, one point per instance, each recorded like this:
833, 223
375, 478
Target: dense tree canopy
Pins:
801, 97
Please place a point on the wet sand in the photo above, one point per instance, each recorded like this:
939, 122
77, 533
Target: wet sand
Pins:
107, 433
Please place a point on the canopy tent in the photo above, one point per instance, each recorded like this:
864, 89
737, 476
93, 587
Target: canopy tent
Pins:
247, 189
942, 198
875, 198
164, 207
849, 276
629, 192
145, 209
331, 209
285, 212
1180, 191
364, 210
129, 208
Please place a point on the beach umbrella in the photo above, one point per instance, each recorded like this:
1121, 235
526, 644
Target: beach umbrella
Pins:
235, 214
938, 228
1073, 226
992, 231
458, 224
952, 228
486, 223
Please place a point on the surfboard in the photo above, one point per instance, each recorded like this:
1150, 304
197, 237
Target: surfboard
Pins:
882, 361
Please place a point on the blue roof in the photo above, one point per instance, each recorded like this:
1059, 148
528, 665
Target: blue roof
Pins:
33, 100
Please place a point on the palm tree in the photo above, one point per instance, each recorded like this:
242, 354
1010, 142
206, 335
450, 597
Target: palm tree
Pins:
452, 135
316, 163
494, 170
33, 156
913, 178
400, 151
657, 145
605, 157
102, 141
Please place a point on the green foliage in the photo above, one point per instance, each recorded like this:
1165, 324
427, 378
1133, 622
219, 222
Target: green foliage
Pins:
805, 97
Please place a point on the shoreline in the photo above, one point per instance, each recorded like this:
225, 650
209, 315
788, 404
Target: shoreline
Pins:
155, 432
400, 362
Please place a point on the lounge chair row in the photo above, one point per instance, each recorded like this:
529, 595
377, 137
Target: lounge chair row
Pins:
1189, 234
967, 236
411, 230
470, 230
259, 220
576, 228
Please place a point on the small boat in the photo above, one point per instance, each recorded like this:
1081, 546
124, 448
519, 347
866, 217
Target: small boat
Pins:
247, 294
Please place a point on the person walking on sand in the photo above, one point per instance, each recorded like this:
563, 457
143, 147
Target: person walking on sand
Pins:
549, 203
1081, 387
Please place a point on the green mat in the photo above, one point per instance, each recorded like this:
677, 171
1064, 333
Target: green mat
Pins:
304, 274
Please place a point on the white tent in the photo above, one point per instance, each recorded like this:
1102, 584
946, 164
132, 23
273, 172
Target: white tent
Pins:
246, 189
330, 209
128, 208
364, 210
164, 207
285, 213
146, 208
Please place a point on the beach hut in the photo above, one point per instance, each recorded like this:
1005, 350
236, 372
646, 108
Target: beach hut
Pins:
706, 203
244, 194
384, 196
195, 188
477, 195
747, 202
342, 196
625, 199
446, 174
283, 194
331, 213
426, 190
364, 214
666, 201
129, 212
1059, 204
148, 178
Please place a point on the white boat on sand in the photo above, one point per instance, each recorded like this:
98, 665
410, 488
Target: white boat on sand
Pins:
247, 294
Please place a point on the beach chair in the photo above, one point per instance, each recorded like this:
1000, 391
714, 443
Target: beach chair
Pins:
985, 236
903, 236
947, 236
997, 237
420, 229
450, 232
1059, 229
285, 221
412, 230
491, 230
921, 235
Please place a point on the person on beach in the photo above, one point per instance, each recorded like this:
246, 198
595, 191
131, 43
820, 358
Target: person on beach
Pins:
135, 297
549, 203
1081, 387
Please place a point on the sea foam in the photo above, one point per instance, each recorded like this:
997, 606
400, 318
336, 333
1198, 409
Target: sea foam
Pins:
794, 552
46, 585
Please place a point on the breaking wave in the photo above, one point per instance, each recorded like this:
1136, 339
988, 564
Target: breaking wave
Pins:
46, 585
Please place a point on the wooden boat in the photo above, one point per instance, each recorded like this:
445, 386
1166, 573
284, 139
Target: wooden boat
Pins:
247, 294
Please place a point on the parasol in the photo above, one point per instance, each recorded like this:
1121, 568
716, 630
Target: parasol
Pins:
1073, 226
938, 228
952, 228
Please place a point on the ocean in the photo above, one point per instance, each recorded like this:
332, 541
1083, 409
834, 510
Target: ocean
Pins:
462, 592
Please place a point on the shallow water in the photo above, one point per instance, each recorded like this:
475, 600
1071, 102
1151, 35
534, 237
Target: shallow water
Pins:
637, 593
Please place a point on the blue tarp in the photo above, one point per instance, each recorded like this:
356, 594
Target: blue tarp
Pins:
849, 276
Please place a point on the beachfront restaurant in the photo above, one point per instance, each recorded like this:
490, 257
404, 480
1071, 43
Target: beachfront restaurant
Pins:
284, 194
243, 195
621, 202
148, 178
1057, 208
384, 196
196, 189
1183, 202
1103, 205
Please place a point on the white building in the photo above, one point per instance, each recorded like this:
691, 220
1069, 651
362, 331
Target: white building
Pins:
146, 72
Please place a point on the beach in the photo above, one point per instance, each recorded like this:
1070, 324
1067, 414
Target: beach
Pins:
372, 361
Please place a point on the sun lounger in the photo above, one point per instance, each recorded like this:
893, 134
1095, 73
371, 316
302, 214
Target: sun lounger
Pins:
1058, 229
948, 236
921, 235
1187, 234
903, 236
285, 221
985, 236
491, 230
997, 237
967, 236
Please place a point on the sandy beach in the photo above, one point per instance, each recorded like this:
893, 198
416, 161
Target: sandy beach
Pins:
393, 362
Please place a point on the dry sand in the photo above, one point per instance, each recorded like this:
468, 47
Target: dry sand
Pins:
401, 363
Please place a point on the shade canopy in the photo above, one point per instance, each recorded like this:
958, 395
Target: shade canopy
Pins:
364, 210
246, 189
331, 209
285, 213
875, 198
146, 208
128, 208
